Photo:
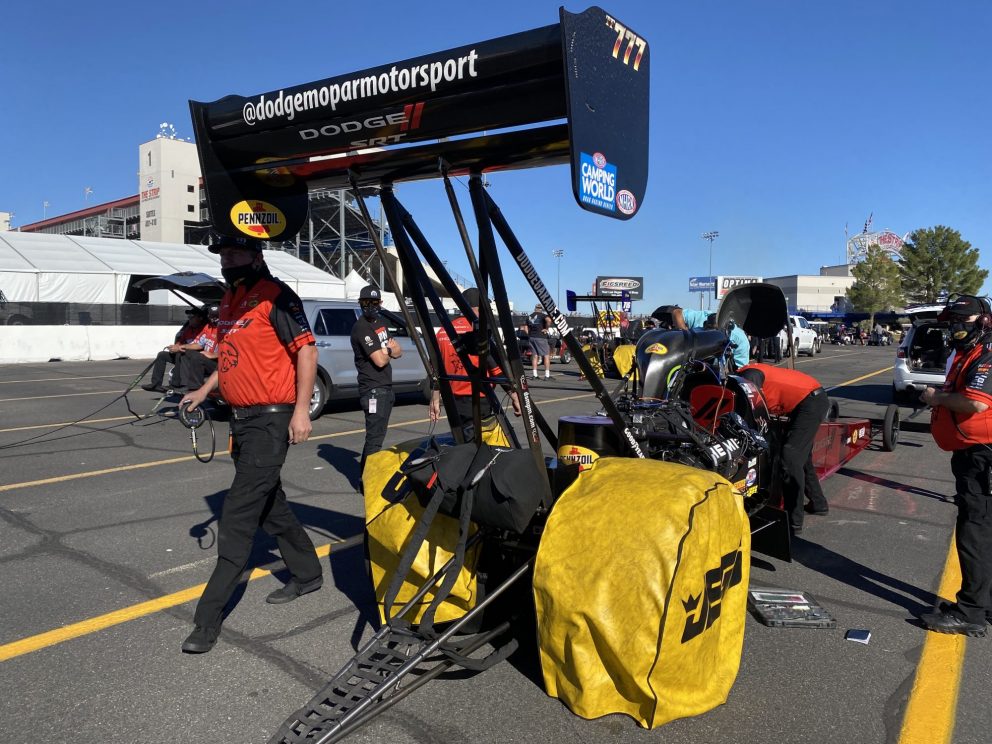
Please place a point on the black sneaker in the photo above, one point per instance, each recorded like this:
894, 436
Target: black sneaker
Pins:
201, 640
294, 589
153, 388
948, 622
818, 510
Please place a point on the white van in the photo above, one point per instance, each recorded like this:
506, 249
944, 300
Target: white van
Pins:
337, 378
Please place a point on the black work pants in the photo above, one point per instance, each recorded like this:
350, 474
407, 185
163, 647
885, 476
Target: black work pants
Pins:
464, 416
158, 369
196, 369
377, 421
798, 474
972, 468
255, 499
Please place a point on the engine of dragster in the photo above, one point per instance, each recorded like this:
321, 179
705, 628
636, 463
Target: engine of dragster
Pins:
689, 410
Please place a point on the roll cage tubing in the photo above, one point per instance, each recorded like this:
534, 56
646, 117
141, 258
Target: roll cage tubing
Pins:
576, 92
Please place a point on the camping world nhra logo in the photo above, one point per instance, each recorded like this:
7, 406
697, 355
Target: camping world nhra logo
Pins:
597, 181
258, 218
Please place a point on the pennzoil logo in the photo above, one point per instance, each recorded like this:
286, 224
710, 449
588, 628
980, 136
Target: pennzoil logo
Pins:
575, 455
703, 609
660, 349
258, 218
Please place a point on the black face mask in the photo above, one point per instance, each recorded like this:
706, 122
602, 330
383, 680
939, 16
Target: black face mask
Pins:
963, 335
238, 274
370, 311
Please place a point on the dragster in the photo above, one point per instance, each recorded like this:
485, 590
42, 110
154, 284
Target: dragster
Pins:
629, 548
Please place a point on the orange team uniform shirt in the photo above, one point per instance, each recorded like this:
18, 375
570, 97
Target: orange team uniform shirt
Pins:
261, 329
970, 375
784, 389
453, 364
207, 339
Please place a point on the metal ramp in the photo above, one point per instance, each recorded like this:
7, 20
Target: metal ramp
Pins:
392, 664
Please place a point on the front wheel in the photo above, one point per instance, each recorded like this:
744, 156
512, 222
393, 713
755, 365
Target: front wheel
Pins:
318, 399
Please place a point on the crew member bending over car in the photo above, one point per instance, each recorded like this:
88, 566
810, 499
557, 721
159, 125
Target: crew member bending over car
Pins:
268, 363
961, 422
673, 317
791, 393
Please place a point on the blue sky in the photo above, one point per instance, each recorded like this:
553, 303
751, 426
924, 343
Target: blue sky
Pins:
774, 122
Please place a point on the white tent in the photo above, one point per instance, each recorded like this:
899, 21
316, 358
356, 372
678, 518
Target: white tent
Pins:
39, 267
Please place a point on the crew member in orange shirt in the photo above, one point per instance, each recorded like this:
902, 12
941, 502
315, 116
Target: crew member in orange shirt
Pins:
201, 353
961, 422
462, 389
266, 372
798, 396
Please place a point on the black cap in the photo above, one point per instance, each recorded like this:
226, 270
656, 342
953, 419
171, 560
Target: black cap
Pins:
224, 241
211, 310
471, 296
753, 375
664, 312
370, 292
964, 305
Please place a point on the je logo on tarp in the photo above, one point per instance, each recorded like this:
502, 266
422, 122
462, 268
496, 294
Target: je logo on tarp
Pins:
703, 609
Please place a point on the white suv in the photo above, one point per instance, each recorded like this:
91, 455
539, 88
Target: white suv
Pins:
806, 340
337, 378
921, 358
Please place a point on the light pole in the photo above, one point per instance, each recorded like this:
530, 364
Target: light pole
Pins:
710, 236
558, 253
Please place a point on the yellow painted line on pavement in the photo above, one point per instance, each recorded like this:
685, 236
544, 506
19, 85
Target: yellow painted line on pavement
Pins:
102, 622
220, 453
67, 423
933, 701
859, 379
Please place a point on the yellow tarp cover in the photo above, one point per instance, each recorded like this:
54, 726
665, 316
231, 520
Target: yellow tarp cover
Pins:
593, 356
641, 586
389, 528
624, 356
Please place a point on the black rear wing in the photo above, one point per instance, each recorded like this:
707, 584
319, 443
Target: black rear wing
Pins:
575, 92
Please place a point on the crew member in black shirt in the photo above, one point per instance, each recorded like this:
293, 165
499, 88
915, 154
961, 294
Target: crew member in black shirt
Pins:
373, 350
537, 328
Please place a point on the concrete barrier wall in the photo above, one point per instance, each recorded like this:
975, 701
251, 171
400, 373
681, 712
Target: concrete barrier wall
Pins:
81, 343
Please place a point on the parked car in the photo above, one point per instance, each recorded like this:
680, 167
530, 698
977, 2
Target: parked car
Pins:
337, 378
921, 358
806, 340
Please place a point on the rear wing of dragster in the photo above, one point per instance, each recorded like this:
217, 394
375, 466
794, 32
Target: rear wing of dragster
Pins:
580, 87
573, 92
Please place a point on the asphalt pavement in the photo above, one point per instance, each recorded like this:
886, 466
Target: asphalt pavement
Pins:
107, 531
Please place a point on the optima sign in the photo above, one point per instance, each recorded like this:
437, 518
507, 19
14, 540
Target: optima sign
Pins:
726, 283
614, 285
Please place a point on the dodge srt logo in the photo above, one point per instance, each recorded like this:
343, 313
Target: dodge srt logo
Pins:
406, 120
703, 609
